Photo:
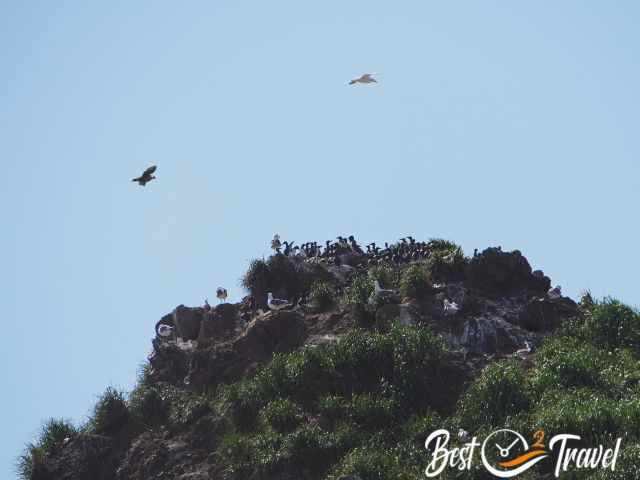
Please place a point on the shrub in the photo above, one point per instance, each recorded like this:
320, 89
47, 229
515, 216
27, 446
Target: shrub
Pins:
282, 415
583, 412
613, 324
567, 362
245, 457
244, 403
372, 462
311, 448
359, 291
322, 294
500, 391
447, 264
628, 465
146, 405
284, 277
332, 408
442, 246
384, 274
415, 281
419, 427
53, 432
371, 412
110, 412
30, 462
256, 279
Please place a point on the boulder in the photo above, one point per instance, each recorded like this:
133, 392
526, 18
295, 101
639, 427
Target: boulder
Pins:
544, 315
504, 273
404, 314
487, 335
276, 332
187, 321
221, 321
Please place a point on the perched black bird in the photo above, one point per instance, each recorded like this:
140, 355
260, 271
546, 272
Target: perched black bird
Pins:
146, 176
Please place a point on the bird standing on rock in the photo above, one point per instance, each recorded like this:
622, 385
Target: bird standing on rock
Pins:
146, 176
221, 293
275, 243
165, 330
450, 308
277, 303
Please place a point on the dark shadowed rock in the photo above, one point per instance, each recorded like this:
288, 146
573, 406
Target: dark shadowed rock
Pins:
404, 314
187, 321
221, 321
544, 315
497, 272
86, 456
275, 332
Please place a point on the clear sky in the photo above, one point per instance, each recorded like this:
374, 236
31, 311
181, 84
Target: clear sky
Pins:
494, 123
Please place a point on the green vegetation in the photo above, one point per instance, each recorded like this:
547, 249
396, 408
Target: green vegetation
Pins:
359, 291
110, 412
322, 294
283, 277
51, 437
282, 415
415, 281
369, 399
364, 406
365, 383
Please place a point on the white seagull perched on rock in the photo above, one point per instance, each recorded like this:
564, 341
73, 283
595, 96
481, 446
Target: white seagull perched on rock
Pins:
523, 352
221, 293
277, 303
555, 292
275, 243
450, 308
165, 330
364, 78
381, 292
463, 435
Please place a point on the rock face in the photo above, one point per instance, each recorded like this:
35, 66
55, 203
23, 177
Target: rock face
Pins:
275, 332
544, 315
498, 272
404, 314
187, 321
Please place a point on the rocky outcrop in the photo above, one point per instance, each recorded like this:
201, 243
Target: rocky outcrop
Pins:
275, 332
187, 322
502, 304
504, 273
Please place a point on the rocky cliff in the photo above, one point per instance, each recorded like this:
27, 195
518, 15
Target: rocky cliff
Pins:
373, 350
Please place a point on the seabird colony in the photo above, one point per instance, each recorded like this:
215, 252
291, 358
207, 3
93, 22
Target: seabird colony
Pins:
405, 251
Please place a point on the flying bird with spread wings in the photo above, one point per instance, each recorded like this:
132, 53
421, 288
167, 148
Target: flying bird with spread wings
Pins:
365, 78
146, 176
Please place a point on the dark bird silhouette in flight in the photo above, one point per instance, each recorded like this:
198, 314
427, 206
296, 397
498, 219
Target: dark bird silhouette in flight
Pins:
146, 176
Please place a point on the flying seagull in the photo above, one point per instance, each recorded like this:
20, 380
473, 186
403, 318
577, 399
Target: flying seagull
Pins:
146, 176
277, 303
221, 293
364, 78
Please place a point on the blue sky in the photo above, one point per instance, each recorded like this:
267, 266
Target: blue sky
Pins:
494, 123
